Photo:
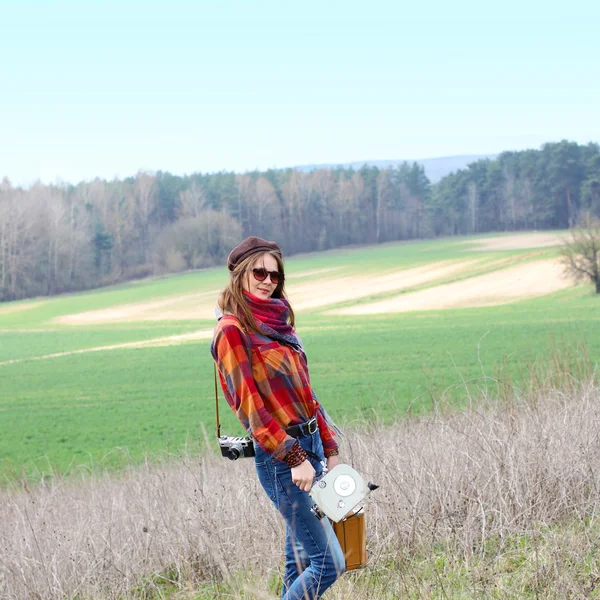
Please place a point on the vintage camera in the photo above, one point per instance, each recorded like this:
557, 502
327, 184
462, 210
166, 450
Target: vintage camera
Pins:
339, 492
236, 447
338, 495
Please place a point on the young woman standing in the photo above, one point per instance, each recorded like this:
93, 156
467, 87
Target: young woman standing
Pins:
264, 375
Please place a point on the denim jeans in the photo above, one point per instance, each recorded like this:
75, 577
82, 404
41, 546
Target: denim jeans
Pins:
313, 557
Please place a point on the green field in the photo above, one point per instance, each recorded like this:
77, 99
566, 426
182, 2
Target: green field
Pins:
114, 405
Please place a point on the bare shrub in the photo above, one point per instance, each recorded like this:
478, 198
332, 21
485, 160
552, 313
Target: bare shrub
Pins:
460, 483
175, 262
580, 255
200, 241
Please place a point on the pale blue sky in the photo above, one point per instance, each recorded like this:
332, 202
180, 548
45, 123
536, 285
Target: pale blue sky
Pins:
107, 88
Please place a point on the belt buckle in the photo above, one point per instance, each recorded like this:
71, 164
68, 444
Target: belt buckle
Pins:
312, 426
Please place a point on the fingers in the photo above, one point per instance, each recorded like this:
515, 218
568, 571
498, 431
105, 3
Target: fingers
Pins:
303, 483
303, 476
307, 485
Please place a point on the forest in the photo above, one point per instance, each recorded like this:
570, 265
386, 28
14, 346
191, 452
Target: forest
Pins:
62, 237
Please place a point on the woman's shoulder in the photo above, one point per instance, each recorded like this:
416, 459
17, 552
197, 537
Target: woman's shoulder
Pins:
227, 321
230, 325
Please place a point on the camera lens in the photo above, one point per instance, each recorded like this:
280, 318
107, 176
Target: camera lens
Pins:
234, 453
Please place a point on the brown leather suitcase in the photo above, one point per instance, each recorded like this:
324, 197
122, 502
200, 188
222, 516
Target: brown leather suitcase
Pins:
351, 534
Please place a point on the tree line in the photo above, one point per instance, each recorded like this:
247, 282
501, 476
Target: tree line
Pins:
59, 238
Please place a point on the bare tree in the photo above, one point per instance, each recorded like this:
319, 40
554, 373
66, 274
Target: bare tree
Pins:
51, 234
79, 244
195, 242
246, 191
192, 201
5, 208
473, 202
323, 183
123, 229
580, 255
18, 249
145, 190
265, 209
384, 190
290, 197
509, 194
345, 208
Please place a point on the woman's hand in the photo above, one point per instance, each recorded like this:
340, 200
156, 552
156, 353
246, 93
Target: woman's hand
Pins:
303, 475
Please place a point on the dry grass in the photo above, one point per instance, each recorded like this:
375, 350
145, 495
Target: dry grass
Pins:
496, 501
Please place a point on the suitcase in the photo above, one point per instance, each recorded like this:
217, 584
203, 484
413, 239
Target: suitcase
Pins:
351, 534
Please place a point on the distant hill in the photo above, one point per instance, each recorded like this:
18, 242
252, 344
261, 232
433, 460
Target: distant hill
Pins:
435, 168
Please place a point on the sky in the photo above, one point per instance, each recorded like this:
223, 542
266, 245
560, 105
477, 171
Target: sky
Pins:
105, 89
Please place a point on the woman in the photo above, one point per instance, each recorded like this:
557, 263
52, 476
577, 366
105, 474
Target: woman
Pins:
264, 376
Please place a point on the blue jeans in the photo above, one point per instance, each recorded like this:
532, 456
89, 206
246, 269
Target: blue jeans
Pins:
313, 557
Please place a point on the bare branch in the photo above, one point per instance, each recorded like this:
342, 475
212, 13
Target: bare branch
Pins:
580, 255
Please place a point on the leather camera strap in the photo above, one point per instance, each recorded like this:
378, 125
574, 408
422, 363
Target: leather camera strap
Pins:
217, 404
313, 455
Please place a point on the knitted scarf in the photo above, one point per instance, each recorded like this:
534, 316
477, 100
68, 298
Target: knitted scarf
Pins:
271, 316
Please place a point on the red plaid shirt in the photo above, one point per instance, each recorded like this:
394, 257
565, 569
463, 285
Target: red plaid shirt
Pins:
267, 385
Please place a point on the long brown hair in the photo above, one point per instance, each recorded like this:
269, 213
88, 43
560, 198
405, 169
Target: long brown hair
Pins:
232, 301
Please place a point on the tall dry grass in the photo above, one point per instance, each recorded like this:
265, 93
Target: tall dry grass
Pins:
497, 500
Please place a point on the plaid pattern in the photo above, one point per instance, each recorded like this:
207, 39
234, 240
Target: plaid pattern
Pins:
267, 385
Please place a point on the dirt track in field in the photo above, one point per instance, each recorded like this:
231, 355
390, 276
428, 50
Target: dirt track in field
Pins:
507, 285
318, 294
521, 241
303, 296
171, 340
8, 308
189, 306
310, 273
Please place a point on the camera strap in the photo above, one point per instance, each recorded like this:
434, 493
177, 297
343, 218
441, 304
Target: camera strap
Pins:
217, 404
314, 456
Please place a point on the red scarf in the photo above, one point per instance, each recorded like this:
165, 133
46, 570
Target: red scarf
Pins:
271, 315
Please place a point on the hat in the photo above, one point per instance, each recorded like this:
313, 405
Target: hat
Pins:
251, 245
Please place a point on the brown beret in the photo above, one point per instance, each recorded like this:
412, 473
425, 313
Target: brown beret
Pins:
251, 245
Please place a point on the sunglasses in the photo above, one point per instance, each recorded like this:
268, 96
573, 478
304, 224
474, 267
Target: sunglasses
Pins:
262, 274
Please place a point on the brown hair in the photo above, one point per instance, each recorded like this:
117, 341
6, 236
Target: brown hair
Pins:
232, 301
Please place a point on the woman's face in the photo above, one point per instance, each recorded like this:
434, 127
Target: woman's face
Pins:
261, 289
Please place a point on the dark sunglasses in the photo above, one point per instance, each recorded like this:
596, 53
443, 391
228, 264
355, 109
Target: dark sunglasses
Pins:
262, 274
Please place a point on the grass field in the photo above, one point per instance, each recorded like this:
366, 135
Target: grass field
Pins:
71, 394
